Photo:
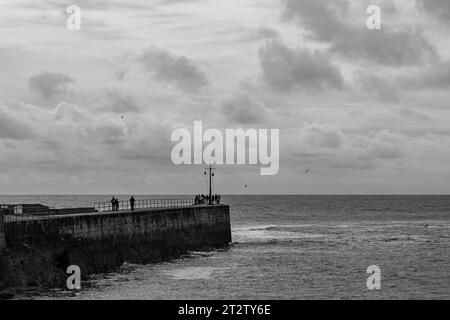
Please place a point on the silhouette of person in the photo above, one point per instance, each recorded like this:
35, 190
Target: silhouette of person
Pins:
132, 203
117, 204
113, 203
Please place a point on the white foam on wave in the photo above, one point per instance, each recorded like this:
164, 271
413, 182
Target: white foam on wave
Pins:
192, 273
266, 233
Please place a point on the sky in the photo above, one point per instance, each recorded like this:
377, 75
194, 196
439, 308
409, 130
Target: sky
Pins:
91, 111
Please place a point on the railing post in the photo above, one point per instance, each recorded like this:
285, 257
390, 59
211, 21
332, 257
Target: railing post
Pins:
2, 230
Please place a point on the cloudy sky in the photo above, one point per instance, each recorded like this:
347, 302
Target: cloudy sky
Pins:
92, 110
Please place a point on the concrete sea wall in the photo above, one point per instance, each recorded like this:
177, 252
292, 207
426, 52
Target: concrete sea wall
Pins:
37, 252
2, 231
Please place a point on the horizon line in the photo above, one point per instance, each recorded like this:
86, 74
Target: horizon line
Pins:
229, 194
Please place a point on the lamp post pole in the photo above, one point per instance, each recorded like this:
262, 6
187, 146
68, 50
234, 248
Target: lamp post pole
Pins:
211, 174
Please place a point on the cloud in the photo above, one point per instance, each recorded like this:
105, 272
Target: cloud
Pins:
111, 133
118, 102
322, 135
322, 138
178, 70
328, 146
386, 48
329, 21
12, 127
137, 137
387, 87
110, 4
436, 76
70, 112
82, 125
380, 86
49, 84
386, 145
121, 73
301, 73
242, 108
322, 18
262, 33
155, 151
285, 68
412, 114
436, 8
73, 140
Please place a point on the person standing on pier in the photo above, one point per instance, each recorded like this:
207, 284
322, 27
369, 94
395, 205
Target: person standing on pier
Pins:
132, 203
113, 203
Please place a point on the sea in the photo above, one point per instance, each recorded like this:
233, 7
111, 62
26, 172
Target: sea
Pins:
294, 247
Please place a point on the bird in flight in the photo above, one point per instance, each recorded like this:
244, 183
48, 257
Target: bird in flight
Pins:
307, 170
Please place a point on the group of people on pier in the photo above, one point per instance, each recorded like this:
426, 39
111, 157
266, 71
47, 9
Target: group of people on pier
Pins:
115, 203
199, 199
202, 199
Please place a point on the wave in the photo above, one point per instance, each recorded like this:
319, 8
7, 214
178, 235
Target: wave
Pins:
269, 227
193, 273
263, 242
271, 234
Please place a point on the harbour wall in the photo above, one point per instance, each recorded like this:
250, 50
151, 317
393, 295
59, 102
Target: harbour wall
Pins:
2, 231
38, 252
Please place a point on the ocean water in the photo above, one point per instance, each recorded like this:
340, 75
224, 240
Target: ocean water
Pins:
296, 247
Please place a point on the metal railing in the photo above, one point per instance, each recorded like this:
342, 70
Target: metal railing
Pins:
16, 212
144, 204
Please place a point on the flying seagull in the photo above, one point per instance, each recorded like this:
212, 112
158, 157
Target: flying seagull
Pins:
307, 170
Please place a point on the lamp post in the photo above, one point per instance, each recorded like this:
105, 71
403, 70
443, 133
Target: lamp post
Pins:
211, 174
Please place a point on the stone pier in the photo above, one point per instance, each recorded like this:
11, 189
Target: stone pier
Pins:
39, 250
2, 230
